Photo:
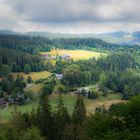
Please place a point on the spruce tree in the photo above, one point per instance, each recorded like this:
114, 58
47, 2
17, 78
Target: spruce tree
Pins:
44, 117
79, 112
62, 117
29, 79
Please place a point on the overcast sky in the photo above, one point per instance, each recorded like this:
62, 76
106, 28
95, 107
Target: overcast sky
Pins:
70, 16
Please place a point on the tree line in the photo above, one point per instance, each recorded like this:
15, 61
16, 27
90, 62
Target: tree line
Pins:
18, 61
88, 71
35, 44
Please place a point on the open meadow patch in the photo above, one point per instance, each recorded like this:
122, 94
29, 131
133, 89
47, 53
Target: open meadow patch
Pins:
34, 75
75, 54
69, 101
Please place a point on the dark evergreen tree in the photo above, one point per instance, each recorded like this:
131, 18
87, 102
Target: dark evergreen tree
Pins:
44, 118
5, 70
79, 112
27, 69
32, 134
29, 79
62, 118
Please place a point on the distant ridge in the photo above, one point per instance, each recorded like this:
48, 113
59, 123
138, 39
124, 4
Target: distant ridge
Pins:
8, 32
118, 37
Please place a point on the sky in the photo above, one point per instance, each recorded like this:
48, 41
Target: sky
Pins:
70, 16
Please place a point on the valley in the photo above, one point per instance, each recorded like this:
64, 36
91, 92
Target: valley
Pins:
53, 80
69, 70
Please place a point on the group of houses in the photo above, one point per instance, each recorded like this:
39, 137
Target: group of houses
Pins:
54, 57
87, 92
2, 102
84, 91
20, 99
58, 76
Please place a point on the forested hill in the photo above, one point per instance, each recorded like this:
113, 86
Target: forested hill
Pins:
34, 44
91, 44
25, 43
21, 52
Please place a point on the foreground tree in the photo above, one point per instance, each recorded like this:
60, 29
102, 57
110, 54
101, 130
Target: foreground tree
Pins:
44, 118
79, 112
62, 118
32, 134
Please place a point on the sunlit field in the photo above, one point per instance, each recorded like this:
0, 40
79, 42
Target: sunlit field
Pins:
36, 89
76, 54
34, 75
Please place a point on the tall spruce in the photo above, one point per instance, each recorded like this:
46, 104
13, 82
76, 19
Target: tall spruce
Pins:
44, 117
79, 112
62, 117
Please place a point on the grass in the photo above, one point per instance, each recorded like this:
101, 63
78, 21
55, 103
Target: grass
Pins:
35, 89
76, 54
6, 113
69, 101
34, 75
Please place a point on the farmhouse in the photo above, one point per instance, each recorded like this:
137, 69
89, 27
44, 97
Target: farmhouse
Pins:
44, 55
58, 76
66, 57
83, 91
2, 102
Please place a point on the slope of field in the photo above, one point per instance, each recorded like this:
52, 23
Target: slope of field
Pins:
76, 54
36, 89
69, 101
34, 75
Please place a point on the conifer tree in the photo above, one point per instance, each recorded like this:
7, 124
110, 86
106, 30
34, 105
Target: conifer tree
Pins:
44, 117
29, 79
79, 112
62, 117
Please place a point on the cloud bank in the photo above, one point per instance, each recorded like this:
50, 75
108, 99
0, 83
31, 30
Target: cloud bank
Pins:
72, 16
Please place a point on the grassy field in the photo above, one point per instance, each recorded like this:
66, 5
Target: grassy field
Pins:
35, 89
34, 75
69, 101
6, 113
76, 54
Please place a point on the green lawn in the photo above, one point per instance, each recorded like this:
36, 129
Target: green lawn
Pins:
69, 102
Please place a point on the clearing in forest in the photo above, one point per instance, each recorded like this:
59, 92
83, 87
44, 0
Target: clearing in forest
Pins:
76, 54
34, 75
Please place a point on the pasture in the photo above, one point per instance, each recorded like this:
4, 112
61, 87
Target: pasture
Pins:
34, 75
35, 89
69, 101
76, 54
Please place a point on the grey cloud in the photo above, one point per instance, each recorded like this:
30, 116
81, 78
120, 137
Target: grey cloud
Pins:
70, 14
77, 10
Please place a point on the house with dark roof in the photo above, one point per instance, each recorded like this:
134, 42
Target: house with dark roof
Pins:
84, 91
2, 102
58, 76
